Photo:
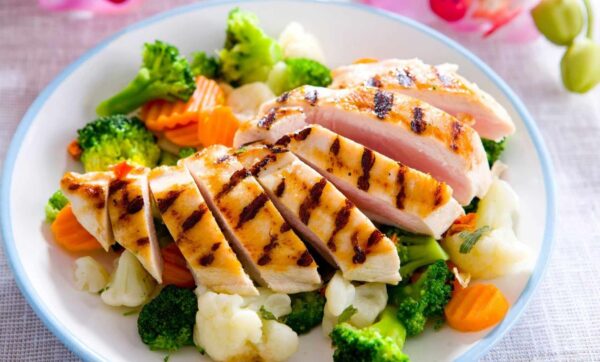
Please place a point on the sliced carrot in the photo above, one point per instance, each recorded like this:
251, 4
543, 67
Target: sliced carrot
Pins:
365, 61
465, 222
186, 136
160, 115
121, 169
476, 307
69, 233
218, 127
175, 270
74, 149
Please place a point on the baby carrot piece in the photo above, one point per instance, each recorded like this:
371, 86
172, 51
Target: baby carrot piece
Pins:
186, 136
69, 233
175, 270
218, 127
476, 307
74, 149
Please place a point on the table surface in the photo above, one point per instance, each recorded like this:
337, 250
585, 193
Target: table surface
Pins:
563, 320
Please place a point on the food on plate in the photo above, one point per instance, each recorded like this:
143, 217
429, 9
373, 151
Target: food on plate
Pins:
306, 311
403, 128
439, 85
131, 218
270, 250
296, 42
130, 285
204, 65
196, 232
493, 149
245, 101
70, 234
218, 127
175, 267
476, 307
341, 233
55, 203
387, 191
90, 275
295, 72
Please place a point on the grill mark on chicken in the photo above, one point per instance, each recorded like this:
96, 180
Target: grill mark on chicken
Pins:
116, 185
375, 237
437, 200
382, 103
445, 79
235, 179
341, 220
312, 200
265, 258
335, 146
374, 82
267, 121
74, 186
303, 134
135, 205
312, 96
280, 189
142, 241
258, 167
207, 259
456, 131
367, 161
250, 210
194, 218
305, 259
215, 246
283, 141
168, 200
418, 125
283, 97
93, 191
401, 195
359, 256
285, 227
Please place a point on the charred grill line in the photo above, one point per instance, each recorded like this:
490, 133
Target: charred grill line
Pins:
382, 103
375, 237
135, 205
359, 256
456, 131
168, 200
267, 121
305, 259
258, 167
374, 82
437, 201
401, 195
283, 97
341, 220
312, 96
367, 162
194, 218
142, 241
280, 189
312, 200
283, 141
285, 227
250, 210
404, 77
303, 134
116, 185
235, 179
335, 146
418, 125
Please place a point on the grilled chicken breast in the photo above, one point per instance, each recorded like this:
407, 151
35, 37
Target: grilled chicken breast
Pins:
387, 191
317, 210
88, 195
131, 218
267, 246
440, 86
194, 229
403, 128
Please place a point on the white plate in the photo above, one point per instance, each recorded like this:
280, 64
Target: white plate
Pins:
37, 159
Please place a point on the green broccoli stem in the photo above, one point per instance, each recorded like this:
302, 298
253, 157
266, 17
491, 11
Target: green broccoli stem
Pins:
389, 326
419, 251
133, 96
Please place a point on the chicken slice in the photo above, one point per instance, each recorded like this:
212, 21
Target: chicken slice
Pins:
267, 246
194, 229
400, 127
131, 218
341, 233
387, 191
88, 195
440, 86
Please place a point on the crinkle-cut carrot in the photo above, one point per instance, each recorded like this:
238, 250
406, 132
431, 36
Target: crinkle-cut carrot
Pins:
74, 149
218, 127
69, 233
175, 270
160, 115
465, 222
365, 61
186, 136
476, 307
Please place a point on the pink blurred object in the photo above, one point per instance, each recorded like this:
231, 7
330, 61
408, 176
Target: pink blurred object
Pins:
506, 20
90, 6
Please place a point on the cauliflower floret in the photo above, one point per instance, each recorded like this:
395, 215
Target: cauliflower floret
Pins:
369, 301
278, 304
498, 251
90, 275
130, 284
247, 99
296, 42
279, 342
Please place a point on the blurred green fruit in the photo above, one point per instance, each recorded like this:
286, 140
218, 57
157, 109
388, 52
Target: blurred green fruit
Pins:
560, 21
580, 66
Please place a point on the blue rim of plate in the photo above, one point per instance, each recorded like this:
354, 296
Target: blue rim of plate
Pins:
86, 353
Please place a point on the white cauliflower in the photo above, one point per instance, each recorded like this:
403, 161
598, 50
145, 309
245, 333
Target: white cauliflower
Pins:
130, 284
498, 251
279, 342
90, 275
279, 304
296, 42
368, 299
247, 99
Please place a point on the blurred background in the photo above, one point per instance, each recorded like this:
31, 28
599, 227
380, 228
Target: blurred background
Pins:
39, 38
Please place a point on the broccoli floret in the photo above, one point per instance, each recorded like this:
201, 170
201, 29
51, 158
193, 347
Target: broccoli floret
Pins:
205, 65
164, 75
424, 298
186, 152
414, 250
55, 203
109, 140
167, 322
307, 311
248, 54
493, 149
380, 342
294, 72
170, 159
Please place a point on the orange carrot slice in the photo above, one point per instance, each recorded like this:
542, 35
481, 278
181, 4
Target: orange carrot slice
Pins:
74, 149
476, 307
186, 136
160, 115
175, 270
218, 127
69, 233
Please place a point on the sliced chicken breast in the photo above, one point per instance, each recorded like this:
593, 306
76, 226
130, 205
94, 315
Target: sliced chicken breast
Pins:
131, 218
88, 195
323, 215
403, 128
387, 191
194, 229
440, 86
265, 243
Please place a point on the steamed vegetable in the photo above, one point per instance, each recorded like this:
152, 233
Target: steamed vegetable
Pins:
130, 284
55, 203
476, 307
185, 136
270, 303
110, 140
307, 311
164, 74
246, 100
167, 322
296, 42
295, 72
175, 269
218, 127
493, 149
69, 234
205, 65
90, 275
248, 54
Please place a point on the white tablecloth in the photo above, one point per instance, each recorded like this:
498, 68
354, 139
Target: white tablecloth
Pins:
562, 323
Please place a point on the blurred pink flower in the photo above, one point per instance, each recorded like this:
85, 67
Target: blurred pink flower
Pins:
89, 6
